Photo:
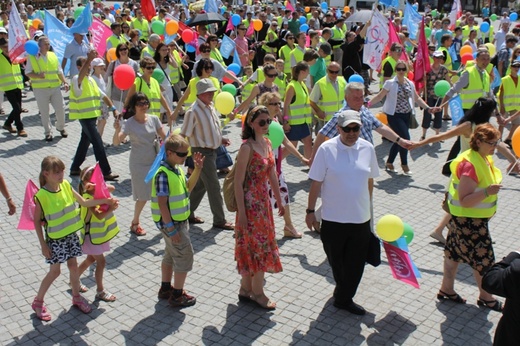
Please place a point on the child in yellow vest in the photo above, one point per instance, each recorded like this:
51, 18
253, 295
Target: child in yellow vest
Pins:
246, 90
56, 211
100, 227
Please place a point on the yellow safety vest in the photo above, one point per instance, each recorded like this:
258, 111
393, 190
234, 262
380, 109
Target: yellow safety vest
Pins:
113, 41
466, 30
285, 54
486, 175
178, 200
50, 68
337, 34
142, 26
10, 75
281, 82
300, 111
88, 104
448, 63
477, 87
215, 54
175, 75
248, 89
192, 97
392, 62
59, 211
100, 230
153, 92
271, 36
148, 50
511, 95
297, 53
331, 99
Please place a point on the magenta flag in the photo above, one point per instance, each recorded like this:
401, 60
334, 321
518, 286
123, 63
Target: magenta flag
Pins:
229, 25
26, 222
400, 264
421, 65
101, 190
100, 33
289, 6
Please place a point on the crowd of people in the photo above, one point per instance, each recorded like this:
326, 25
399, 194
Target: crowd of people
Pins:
296, 67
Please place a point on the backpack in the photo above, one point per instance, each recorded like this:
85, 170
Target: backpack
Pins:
228, 187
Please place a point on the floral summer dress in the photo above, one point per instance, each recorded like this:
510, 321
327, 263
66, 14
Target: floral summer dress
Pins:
256, 249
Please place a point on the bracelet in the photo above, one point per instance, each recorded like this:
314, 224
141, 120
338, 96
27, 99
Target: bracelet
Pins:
172, 233
369, 104
112, 108
286, 117
168, 225
398, 139
486, 193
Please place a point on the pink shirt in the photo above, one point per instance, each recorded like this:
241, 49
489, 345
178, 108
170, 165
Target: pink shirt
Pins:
242, 50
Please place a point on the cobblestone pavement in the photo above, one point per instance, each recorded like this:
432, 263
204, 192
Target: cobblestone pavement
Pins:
397, 313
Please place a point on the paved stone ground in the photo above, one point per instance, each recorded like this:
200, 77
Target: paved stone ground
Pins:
397, 313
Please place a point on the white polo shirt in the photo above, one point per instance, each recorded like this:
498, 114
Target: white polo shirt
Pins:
344, 172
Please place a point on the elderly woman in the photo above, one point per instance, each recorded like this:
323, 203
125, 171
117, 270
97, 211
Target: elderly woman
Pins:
143, 129
117, 95
399, 107
472, 200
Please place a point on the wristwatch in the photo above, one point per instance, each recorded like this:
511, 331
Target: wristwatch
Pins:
309, 211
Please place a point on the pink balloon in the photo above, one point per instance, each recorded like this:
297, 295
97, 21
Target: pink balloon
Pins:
124, 76
187, 36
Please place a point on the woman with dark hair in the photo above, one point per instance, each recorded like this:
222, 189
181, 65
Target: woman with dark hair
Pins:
261, 88
480, 113
212, 40
256, 250
143, 129
135, 45
472, 200
297, 111
125, 30
151, 88
117, 95
165, 61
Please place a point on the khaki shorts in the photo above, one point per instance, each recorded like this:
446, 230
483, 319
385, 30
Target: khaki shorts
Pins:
179, 255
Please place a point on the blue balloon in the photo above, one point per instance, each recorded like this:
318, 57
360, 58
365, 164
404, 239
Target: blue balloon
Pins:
235, 68
324, 6
303, 20
484, 27
355, 78
117, 6
190, 48
236, 19
31, 47
304, 28
475, 55
513, 16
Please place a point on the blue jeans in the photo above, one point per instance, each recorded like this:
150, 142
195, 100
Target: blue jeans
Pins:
90, 134
399, 122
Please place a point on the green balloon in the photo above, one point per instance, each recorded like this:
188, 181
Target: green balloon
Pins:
441, 88
78, 11
158, 27
493, 17
408, 233
230, 88
434, 13
158, 75
427, 32
275, 134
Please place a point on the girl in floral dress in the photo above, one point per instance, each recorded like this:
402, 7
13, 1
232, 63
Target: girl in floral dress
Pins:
256, 250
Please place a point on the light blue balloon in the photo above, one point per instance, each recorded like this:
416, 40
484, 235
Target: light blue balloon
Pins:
513, 16
355, 78
31, 47
304, 28
235, 19
484, 27
475, 55
235, 68
117, 6
190, 48
324, 6
303, 20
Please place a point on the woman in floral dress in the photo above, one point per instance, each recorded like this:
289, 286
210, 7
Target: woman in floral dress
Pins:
256, 250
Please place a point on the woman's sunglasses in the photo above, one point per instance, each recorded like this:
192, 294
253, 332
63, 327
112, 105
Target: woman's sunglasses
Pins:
263, 122
142, 103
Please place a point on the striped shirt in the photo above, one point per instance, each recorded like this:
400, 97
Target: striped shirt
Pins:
202, 126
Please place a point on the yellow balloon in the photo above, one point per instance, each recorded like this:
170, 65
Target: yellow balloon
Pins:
491, 48
107, 22
224, 103
390, 228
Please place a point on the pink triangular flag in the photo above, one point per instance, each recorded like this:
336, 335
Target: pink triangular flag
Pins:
289, 6
250, 30
229, 25
27, 217
101, 190
400, 264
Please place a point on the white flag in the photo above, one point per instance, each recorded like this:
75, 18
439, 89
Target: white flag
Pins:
375, 40
17, 36
456, 12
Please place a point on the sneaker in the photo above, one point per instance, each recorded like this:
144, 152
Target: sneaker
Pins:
48, 138
182, 301
22, 133
165, 294
64, 133
9, 128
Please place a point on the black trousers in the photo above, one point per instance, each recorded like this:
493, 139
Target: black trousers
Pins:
346, 246
15, 99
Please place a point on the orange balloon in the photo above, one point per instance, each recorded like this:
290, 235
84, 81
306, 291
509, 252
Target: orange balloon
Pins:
111, 54
466, 50
346, 9
307, 9
36, 22
172, 27
382, 118
515, 142
257, 24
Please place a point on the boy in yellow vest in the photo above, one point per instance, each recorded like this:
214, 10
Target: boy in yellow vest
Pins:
170, 211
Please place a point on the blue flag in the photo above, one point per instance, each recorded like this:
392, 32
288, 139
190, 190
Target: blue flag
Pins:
389, 3
236, 59
59, 36
184, 3
338, 13
456, 109
161, 156
83, 22
227, 46
412, 19
210, 6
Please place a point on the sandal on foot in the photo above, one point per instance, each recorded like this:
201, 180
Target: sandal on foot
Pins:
244, 296
81, 303
438, 237
495, 305
25, 110
82, 288
41, 310
453, 297
136, 229
389, 167
195, 220
106, 296
263, 302
291, 232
